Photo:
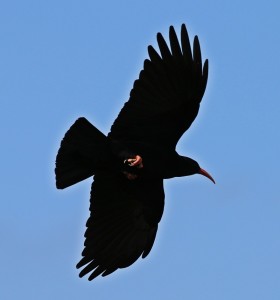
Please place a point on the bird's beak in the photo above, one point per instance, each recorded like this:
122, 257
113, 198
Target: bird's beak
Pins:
206, 174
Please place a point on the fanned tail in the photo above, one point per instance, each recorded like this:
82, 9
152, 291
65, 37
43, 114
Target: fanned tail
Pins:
83, 150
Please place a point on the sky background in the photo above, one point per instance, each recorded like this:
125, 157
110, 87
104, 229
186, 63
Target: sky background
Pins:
60, 60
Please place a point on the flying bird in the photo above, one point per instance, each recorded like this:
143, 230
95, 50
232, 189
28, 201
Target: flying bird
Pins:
131, 162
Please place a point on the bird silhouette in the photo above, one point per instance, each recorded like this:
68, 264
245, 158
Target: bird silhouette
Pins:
131, 162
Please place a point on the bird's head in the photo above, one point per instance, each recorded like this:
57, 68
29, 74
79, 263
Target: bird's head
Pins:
191, 167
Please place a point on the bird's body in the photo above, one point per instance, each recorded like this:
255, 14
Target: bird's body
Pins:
130, 164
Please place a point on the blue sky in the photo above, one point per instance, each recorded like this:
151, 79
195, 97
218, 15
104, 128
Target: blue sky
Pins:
60, 60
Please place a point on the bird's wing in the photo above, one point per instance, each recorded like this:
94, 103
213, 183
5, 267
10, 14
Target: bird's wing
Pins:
165, 99
123, 222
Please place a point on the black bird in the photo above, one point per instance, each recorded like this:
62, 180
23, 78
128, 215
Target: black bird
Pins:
130, 164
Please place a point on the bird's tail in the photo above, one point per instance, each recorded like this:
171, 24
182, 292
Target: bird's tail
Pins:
83, 150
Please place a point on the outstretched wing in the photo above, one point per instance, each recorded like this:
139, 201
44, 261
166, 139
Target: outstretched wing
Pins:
123, 223
165, 99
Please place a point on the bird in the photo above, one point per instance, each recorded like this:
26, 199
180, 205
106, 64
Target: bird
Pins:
131, 162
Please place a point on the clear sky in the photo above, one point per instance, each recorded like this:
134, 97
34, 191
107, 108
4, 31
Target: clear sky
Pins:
60, 60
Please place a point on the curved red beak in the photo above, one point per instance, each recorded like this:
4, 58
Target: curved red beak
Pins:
206, 174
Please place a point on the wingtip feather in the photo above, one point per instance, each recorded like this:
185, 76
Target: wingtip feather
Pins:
174, 43
163, 47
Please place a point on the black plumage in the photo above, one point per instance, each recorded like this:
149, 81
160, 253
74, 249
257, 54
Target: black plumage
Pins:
127, 200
